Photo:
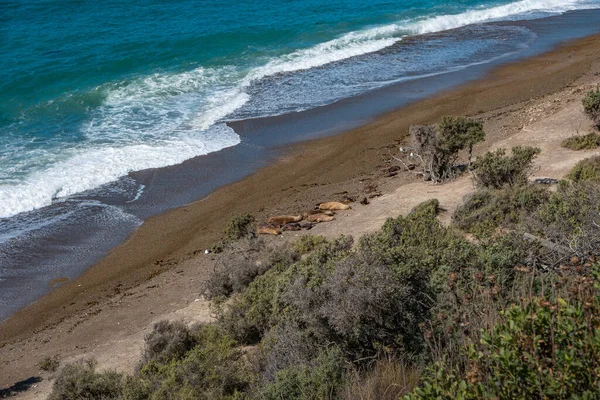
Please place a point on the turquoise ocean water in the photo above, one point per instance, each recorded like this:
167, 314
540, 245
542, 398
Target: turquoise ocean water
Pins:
92, 91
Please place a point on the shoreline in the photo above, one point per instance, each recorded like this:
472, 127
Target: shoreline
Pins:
308, 172
46, 253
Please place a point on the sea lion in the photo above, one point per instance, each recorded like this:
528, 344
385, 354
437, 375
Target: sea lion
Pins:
320, 218
294, 226
285, 219
307, 225
268, 230
333, 205
313, 212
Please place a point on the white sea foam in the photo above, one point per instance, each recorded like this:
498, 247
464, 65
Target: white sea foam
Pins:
445, 22
166, 118
138, 194
94, 167
350, 45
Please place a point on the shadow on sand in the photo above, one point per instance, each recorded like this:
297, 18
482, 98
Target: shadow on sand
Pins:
20, 386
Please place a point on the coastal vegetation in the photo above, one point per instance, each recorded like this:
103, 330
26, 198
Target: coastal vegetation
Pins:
586, 170
49, 364
495, 170
238, 227
502, 303
591, 105
436, 148
582, 142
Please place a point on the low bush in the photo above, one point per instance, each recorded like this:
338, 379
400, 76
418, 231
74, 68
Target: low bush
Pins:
543, 349
321, 378
81, 381
437, 148
238, 227
136, 388
586, 170
495, 169
591, 105
167, 341
458, 133
214, 369
247, 259
49, 364
582, 142
286, 345
570, 218
268, 300
331, 318
389, 379
306, 244
364, 298
240, 263
487, 210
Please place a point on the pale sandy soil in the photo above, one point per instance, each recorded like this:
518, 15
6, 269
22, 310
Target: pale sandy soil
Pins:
120, 323
542, 123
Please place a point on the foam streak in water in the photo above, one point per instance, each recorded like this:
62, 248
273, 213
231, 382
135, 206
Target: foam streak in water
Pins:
446, 22
95, 167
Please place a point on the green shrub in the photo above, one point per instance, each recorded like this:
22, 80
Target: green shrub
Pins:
49, 364
81, 381
582, 142
586, 170
591, 105
379, 294
285, 345
496, 170
240, 263
320, 379
570, 217
167, 341
544, 349
439, 146
238, 227
367, 298
426, 208
136, 388
265, 303
387, 380
487, 210
214, 369
467, 294
306, 244
458, 133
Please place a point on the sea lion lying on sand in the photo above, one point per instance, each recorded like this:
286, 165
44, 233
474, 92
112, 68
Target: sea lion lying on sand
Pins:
333, 205
285, 219
312, 212
320, 217
307, 225
294, 226
267, 229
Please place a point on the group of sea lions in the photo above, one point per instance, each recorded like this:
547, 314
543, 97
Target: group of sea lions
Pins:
323, 213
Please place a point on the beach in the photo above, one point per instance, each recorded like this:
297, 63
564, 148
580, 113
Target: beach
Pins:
136, 146
157, 271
